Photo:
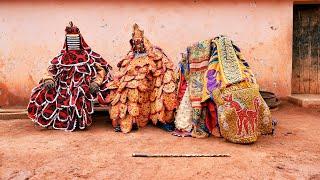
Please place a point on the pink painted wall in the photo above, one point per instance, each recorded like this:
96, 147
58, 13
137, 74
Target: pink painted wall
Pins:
32, 33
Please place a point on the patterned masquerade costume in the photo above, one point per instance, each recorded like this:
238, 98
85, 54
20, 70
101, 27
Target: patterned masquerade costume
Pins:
69, 102
193, 66
145, 88
224, 93
183, 118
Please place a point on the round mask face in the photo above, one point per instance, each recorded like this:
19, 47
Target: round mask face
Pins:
137, 45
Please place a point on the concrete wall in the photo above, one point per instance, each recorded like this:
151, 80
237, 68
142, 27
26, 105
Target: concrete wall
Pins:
32, 33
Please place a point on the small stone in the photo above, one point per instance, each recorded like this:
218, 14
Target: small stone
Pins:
280, 167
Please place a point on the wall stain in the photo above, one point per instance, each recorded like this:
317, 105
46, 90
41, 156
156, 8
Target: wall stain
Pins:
9, 99
104, 26
273, 28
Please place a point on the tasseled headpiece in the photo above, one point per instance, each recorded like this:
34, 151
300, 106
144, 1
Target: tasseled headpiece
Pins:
73, 37
71, 29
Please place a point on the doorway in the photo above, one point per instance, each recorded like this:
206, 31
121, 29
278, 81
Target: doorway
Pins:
306, 49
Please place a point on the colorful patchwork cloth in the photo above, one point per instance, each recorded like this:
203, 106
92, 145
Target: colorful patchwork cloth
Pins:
193, 66
145, 88
242, 113
226, 67
69, 102
223, 92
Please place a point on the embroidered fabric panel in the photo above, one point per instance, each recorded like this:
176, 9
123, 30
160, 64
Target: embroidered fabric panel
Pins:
231, 71
198, 58
240, 114
199, 55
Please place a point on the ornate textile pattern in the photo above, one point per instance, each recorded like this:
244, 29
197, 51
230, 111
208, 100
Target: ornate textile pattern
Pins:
69, 103
224, 93
242, 113
212, 77
183, 118
195, 64
198, 56
228, 61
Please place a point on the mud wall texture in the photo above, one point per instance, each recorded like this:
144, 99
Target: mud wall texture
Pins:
32, 33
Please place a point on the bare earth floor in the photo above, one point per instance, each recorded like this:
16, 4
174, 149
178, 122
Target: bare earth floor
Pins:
30, 152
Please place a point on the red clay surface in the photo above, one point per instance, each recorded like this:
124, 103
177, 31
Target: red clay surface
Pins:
29, 152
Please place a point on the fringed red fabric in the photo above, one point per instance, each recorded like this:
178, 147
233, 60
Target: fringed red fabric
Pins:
211, 117
182, 87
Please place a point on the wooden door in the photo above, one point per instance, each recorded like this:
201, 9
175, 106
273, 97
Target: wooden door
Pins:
306, 45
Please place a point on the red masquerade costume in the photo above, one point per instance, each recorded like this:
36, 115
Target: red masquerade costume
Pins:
78, 75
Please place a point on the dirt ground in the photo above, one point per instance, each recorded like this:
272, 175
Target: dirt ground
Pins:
29, 152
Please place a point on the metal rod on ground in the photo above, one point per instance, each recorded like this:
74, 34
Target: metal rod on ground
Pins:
179, 155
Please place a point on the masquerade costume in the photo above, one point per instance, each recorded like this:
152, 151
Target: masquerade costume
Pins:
193, 66
145, 88
224, 94
183, 118
64, 97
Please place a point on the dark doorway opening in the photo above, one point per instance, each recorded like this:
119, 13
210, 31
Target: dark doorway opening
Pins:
306, 47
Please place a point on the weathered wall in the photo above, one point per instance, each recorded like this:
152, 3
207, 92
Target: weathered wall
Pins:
32, 33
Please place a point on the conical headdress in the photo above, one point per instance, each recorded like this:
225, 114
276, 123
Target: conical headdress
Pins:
139, 34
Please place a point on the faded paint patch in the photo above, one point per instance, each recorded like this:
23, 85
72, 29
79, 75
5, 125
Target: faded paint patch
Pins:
9, 99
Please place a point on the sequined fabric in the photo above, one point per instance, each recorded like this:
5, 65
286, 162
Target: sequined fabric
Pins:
242, 113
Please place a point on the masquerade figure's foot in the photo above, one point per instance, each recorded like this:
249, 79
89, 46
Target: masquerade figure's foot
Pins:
135, 127
117, 129
167, 127
180, 133
215, 132
199, 133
